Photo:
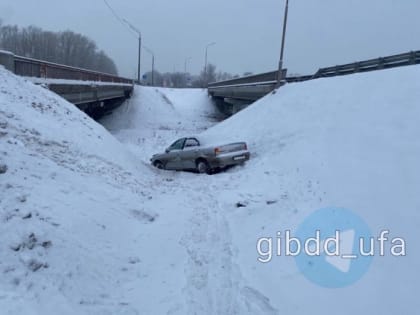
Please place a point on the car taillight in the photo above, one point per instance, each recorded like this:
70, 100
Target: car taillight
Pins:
217, 151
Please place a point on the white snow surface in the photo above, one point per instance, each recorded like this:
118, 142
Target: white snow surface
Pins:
89, 227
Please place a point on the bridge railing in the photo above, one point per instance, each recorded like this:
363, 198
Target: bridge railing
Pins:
268, 77
42, 69
406, 59
393, 61
30, 67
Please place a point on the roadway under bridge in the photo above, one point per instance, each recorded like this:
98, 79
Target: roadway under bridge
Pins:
93, 92
233, 95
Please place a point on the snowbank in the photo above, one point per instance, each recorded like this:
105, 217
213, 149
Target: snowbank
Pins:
88, 227
155, 117
350, 142
78, 230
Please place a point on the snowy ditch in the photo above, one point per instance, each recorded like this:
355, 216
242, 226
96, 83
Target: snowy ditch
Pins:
88, 226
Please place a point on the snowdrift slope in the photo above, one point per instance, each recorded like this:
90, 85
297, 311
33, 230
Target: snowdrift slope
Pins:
155, 117
88, 227
79, 234
348, 142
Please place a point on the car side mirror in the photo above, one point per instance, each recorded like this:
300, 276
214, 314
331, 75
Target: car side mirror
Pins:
167, 150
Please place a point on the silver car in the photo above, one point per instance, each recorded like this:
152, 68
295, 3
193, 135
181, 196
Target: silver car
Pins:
188, 154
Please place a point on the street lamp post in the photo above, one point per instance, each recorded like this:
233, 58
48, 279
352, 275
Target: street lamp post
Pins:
153, 69
125, 22
139, 61
153, 63
185, 64
205, 63
185, 71
280, 70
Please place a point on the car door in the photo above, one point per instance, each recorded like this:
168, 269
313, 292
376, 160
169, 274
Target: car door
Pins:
190, 153
173, 155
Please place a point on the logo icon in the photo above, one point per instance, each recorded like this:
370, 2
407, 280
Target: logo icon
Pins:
334, 247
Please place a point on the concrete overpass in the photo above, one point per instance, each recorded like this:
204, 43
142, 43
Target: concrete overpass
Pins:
233, 95
93, 92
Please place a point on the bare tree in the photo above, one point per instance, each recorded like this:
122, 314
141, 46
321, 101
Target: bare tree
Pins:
157, 77
67, 47
222, 76
205, 77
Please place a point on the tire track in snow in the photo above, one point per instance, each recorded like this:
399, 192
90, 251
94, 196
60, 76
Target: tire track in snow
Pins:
214, 282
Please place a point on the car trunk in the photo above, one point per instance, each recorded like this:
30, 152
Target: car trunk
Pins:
232, 147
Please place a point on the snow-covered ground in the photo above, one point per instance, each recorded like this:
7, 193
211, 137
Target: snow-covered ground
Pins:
89, 227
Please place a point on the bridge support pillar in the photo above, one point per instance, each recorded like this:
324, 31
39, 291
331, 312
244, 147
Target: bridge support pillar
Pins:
7, 59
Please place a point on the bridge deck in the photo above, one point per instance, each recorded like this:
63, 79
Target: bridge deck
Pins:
252, 88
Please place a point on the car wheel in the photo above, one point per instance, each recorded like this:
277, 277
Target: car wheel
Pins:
203, 167
159, 165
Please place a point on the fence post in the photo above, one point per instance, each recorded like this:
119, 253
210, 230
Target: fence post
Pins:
7, 59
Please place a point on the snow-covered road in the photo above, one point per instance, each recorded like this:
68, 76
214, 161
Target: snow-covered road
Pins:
147, 124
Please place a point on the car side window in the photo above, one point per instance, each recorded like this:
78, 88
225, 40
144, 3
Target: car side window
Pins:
191, 143
177, 145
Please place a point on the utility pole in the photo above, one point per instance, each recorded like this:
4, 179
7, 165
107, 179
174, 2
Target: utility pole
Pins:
139, 61
186, 78
125, 22
280, 70
153, 63
205, 64
185, 64
139, 56
153, 70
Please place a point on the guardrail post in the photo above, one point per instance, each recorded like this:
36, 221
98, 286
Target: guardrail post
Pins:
7, 59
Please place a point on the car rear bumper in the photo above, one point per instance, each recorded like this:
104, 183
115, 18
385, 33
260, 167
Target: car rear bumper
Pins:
231, 158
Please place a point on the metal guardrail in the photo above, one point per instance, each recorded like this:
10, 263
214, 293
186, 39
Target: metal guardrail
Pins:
106, 93
268, 77
410, 58
394, 61
42, 69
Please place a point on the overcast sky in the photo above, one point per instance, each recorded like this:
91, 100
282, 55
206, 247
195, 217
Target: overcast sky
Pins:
247, 32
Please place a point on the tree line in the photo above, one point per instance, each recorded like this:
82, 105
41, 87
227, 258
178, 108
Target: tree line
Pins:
182, 79
68, 48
